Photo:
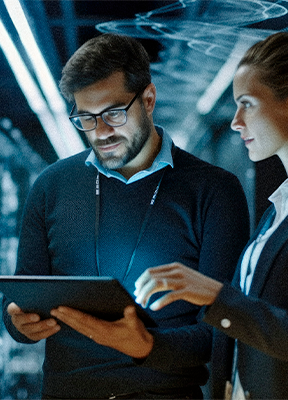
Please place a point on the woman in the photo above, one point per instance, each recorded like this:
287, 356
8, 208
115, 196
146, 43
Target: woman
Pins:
254, 309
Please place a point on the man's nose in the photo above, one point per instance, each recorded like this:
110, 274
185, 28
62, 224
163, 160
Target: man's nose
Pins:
102, 130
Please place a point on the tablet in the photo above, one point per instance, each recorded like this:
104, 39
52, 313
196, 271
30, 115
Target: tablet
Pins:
103, 297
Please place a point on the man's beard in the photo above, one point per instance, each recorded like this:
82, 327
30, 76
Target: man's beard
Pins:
133, 148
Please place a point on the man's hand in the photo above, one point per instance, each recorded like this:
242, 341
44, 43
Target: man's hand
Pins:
183, 283
30, 325
127, 334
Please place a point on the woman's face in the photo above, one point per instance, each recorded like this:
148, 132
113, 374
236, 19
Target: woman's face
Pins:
261, 119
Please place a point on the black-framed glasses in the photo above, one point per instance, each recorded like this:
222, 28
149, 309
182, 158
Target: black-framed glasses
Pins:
114, 117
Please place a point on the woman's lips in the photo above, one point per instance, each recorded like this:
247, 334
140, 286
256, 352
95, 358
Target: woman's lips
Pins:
248, 140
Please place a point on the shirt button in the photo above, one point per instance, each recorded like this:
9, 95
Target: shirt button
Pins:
225, 323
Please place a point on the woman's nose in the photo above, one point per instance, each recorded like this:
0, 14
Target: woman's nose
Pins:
237, 122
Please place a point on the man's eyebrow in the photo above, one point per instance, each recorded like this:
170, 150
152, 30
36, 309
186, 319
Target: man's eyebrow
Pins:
116, 105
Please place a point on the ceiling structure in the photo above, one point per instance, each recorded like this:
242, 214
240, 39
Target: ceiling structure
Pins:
194, 47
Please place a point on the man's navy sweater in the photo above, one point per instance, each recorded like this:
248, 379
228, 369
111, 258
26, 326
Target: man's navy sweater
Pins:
200, 218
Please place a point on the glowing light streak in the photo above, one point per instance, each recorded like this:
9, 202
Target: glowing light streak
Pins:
31, 91
64, 128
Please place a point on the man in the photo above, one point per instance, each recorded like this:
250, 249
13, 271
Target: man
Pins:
154, 204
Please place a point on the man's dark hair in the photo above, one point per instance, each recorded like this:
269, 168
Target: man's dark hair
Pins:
100, 57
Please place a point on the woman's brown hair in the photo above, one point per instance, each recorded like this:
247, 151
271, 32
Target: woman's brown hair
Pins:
270, 58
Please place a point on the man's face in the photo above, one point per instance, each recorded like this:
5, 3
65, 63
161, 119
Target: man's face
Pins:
115, 147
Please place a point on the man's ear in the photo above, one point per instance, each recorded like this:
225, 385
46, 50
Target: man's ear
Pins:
149, 98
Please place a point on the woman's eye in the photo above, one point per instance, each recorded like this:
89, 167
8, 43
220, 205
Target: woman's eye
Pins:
246, 104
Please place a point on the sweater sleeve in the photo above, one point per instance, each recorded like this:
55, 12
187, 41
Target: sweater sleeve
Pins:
225, 231
32, 258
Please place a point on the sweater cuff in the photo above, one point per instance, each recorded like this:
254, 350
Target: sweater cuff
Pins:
156, 358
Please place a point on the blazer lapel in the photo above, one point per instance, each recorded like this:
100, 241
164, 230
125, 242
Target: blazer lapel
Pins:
269, 253
236, 278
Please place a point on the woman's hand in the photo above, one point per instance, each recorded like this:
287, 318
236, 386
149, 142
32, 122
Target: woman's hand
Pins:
183, 283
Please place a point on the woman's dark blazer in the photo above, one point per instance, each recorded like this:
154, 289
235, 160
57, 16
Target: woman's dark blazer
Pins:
259, 322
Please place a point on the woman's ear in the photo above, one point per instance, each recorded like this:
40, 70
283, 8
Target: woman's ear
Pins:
149, 98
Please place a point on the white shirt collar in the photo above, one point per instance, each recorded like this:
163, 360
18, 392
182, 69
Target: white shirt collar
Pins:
280, 200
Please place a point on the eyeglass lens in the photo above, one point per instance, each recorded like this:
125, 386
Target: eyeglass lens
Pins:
89, 122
